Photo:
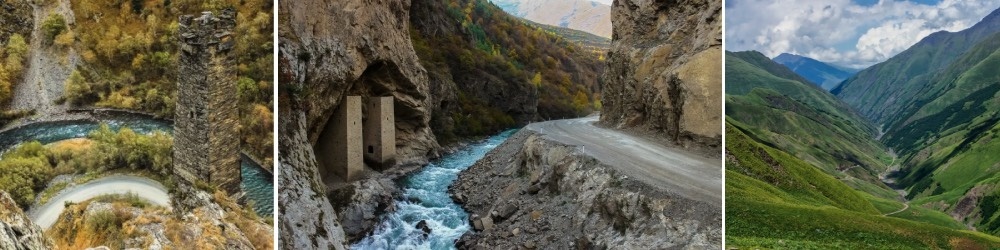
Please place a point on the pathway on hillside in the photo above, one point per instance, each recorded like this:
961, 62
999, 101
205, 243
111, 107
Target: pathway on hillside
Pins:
675, 170
906, 206
885, 179
47, 214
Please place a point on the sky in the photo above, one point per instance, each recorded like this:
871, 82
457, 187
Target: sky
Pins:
852, 33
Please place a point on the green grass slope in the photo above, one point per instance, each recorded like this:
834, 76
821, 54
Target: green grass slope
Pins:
774, 200
779, 108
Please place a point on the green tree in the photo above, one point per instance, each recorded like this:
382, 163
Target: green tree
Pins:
537, 80
76, 87
53, 25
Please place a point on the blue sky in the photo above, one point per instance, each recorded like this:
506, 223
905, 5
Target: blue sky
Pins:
854, 33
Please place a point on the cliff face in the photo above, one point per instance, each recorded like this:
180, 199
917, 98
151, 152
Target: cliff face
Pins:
665, 71
16, 230
329, 50
547, 195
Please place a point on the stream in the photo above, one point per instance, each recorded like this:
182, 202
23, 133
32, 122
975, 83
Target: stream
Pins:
425, 198
257, 183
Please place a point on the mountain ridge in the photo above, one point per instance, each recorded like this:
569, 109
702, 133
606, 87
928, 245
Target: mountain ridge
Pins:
825, 75
584, 15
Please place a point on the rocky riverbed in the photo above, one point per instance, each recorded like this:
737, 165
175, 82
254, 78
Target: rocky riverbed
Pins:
537, 194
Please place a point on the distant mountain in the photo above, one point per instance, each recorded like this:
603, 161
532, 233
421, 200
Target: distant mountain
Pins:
595, 43
585, 15
938, 105
823, 74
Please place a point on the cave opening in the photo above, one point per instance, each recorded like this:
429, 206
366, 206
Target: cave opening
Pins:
340, 148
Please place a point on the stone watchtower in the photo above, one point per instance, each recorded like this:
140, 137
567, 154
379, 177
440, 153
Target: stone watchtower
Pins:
206, 139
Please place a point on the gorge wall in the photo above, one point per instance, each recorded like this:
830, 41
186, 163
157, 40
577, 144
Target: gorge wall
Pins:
457, 79
327, 51
664, 70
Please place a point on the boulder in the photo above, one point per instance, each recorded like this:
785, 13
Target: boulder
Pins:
17, 232
422, 225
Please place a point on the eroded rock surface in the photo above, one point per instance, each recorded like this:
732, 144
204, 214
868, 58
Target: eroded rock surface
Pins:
545, 195
664, 70
17, 232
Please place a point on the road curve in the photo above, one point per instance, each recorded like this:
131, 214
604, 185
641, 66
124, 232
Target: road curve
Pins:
47, 214
675, 170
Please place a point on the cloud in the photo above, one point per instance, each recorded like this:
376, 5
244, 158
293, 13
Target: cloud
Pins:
605, 2
842, 31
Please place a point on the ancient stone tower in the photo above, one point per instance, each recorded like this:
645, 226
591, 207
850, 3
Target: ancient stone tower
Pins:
339, 147
380, 133
354, 136
206, 140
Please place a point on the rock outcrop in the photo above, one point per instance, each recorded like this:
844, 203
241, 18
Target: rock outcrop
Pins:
17, 232
547, 195
665, 71
359, 204
329, 50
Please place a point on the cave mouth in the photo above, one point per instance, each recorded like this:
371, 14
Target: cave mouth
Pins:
339, 149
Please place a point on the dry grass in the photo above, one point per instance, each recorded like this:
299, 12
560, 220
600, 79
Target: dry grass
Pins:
255, 229
71, 145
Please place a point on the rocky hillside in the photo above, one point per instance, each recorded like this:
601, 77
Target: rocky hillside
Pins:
664, 70
585, 15
16, 18
546, 195
17, 232
490, 71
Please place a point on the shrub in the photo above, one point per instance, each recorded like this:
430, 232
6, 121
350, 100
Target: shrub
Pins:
76, 87
53, 26
23, 171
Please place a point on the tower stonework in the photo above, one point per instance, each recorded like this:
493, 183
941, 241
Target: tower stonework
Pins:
380, 132
339, 147
206, 139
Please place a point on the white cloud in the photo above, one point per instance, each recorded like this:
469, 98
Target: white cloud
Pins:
605, 2
842, 32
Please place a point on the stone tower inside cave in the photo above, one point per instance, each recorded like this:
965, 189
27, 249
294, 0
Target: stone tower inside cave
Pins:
206, 139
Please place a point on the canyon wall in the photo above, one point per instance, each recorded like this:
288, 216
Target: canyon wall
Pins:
665, 71
329, 50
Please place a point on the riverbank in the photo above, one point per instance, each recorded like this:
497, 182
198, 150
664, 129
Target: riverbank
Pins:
531, 192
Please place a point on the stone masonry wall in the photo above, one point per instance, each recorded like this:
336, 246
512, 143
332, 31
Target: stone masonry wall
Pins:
206, 139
